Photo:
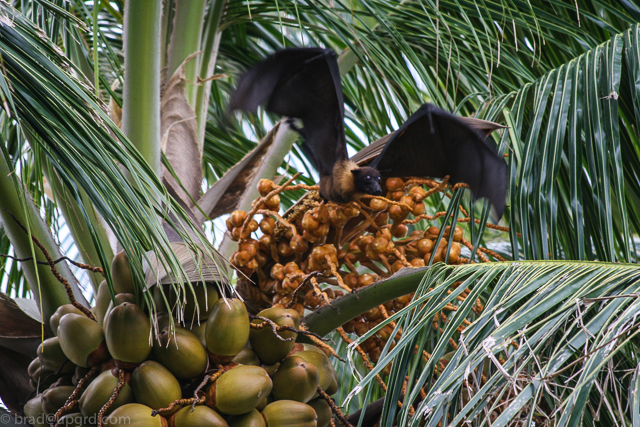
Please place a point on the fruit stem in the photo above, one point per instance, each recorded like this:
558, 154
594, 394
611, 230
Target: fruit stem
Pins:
114, 396
334, 408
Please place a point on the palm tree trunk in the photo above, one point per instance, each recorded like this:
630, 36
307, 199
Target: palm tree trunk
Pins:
141, 103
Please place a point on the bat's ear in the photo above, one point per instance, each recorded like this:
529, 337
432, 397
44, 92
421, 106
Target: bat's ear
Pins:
356, 171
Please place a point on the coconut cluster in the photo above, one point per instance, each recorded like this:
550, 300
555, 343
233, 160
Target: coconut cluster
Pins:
220, 369
319, 251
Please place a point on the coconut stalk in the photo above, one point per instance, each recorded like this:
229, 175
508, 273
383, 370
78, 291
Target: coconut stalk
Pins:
91, 253
210, 44
141, 94
329, 317
185, 40
17, 210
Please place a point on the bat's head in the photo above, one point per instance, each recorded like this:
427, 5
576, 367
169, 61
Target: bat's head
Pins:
367, 180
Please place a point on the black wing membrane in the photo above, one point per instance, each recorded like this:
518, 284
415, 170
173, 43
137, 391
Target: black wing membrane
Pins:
435, 143
303, 83
371, 151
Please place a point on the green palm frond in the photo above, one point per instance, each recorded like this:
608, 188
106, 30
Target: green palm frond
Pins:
544, 342
71, 127
574, 165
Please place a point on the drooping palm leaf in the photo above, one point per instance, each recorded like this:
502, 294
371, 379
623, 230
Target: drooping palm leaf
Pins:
82, 143
543, 340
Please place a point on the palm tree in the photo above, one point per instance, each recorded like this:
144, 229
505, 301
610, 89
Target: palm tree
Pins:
541, 339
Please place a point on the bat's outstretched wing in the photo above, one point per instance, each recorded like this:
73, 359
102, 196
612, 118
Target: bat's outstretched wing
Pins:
371, 151
303, 83
435, 143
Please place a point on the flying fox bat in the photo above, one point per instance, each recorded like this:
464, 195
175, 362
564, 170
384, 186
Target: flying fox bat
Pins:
304, 83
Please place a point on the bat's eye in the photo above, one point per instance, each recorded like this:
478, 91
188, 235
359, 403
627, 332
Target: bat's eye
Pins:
378, 178
367, 178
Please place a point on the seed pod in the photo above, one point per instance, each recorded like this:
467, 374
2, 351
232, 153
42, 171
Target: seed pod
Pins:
119, 299
394, 184
365, 279
454, 252
425, 246
267, 225
103, 298
241, 258
100, 391
289, 413
265, 186
396, 213
277, 272
418, 262
400, 231
419, 209
42, 378
54, 320
264, 244
380, 244
323, 411
397, 195
153, 385
457, 234
181, 353
251, 227
309, 237
236, 234
134, 415
250, 246
122, 275
437, 257
322, 363
54, 398
337, 217
51, 356
322, 231
371, 253
321, 214
127, 330
350, 280
373, 314
295, 379
239, 390
374, 354
406, 200
417, 194
34, 411
196, 417
269, 348
364, 241
198, 329
87, 352
291, 268
378, 205
397, 266
309, 223
284, 250
33, 367
298, 244
273, 203
433, 230
227, 329
237, 218
247, 357
252, 418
